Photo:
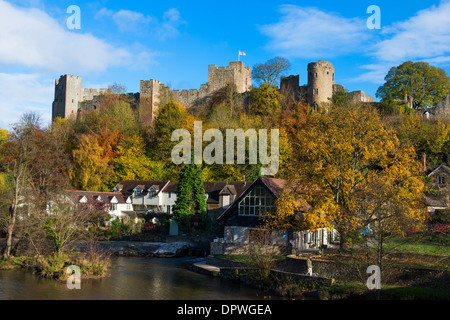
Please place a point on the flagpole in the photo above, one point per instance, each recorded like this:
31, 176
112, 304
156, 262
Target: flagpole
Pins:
239, 56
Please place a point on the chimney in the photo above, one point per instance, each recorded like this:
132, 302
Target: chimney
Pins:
424, 162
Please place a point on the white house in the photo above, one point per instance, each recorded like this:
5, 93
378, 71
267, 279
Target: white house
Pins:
160, 195
119, 206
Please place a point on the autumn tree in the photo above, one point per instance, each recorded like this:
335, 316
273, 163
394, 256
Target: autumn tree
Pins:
430, 137
18, 155
170, 117
264, 100
90, 168
425, 84
132, 163
342, 157
68, 221
270, 71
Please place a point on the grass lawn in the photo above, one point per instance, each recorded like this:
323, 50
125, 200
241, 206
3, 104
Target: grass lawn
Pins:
420, 248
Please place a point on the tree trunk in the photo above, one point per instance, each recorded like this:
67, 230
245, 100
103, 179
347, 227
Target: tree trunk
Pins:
12, 215
11, 223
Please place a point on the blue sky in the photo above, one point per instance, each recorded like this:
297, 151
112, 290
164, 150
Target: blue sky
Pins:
175, 41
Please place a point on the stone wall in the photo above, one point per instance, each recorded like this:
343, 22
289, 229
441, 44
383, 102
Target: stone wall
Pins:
320, 82
68, 94
360, 96
153, 94
443, 107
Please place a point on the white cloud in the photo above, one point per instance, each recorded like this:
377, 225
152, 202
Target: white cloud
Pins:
423, 36
21, 93
128, 21
31, 38
311, 33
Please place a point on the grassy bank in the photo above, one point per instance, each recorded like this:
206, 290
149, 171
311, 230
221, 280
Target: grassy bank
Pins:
418, 289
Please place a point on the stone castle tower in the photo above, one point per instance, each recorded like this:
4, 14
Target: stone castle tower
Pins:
321, 85
152, 91
68, 94
320, 82
70, 97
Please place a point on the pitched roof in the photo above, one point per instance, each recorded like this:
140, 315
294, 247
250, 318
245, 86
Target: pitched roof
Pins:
440, 168
217, 188
129, 185
106, 197
274, 185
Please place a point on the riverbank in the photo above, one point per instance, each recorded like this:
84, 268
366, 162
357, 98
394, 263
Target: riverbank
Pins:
297, 285
168, 249
93, 257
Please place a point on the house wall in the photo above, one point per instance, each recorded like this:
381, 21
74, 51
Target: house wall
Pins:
235, 237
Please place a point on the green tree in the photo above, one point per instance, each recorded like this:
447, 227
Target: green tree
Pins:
270, 71
340, 98
170, 117
425, 84
190, 206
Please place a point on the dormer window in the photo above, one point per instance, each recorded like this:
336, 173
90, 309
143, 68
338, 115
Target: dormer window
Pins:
151, 192
137, 192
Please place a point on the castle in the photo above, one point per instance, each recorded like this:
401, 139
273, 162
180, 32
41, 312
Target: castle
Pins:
70, 97
236, 73
321, 85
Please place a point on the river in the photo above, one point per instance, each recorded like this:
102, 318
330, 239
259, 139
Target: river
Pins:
130, 278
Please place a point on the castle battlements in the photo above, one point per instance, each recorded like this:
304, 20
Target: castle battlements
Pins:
70, 97
152, 93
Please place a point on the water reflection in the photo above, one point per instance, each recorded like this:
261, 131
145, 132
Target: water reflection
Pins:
130, 278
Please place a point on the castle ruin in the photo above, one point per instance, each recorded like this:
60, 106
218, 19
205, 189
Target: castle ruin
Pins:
321, 85
236, 73
70, 98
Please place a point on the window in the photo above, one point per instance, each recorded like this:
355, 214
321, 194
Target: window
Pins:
441, 180
170, 195
169, 209
129, 207
113, 206
256, 202
316, 91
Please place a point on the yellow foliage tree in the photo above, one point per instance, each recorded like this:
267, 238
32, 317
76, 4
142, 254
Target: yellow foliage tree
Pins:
132, 163
90, 169
355, 172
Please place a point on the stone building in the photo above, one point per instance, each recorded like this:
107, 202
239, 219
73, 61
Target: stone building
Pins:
321, 85
442, 109
70, 97
152, 91
68, 94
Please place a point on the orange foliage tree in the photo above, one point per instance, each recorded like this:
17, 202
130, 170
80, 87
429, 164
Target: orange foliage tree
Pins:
355, 173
